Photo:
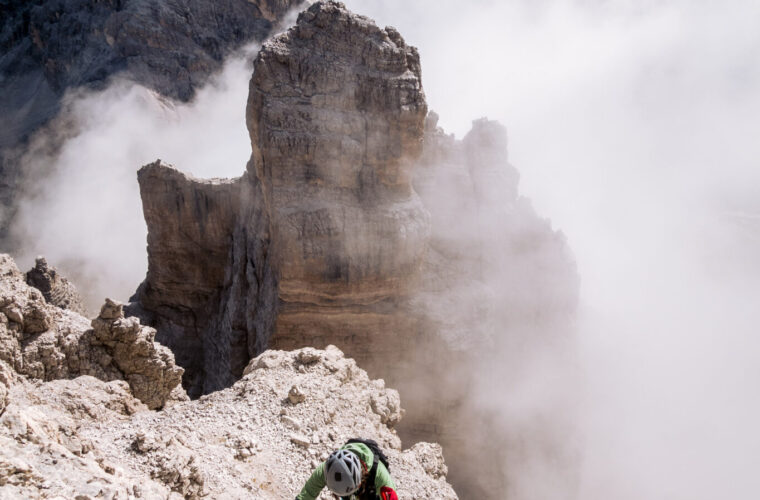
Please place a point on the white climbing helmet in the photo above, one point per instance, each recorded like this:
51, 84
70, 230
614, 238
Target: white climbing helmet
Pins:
343, 473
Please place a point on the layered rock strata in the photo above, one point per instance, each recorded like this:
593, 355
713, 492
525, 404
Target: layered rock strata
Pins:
451, 295
323, 237
336, 115
56, 289
210, 291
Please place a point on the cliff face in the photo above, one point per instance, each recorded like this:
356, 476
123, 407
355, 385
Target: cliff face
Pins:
336, 113
323, 237
448, 293
50, 47
210, 289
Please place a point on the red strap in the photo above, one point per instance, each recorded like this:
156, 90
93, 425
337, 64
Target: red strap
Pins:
388, 493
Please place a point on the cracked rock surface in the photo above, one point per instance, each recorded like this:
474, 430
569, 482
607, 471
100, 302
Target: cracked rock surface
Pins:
88, 437
56, 289
322, 239
43, 341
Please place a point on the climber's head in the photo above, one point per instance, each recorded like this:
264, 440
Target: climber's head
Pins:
343, 472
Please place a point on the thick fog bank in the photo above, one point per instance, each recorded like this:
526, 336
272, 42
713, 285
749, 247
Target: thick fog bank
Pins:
634, 127
81, 203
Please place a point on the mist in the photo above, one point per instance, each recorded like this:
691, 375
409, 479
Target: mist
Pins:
81, 203
634, 128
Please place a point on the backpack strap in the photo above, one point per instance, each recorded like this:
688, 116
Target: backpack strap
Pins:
372, 475
368, 491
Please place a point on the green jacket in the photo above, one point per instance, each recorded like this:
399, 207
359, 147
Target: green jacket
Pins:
316, 482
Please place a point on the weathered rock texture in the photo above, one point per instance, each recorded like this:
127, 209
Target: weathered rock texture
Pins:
324, 240
336, 114
213, 301
94, 439
323, 237
49, 47
44, 342
56, 289
75, 419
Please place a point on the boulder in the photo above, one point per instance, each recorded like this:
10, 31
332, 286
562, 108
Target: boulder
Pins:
43, 341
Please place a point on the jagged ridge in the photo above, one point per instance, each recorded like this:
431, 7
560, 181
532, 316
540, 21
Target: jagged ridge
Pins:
94, 437
324, 240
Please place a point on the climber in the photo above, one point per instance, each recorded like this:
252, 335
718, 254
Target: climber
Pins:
357, 471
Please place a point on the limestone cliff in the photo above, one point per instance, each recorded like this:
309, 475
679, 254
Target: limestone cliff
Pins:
335, 113
325, 240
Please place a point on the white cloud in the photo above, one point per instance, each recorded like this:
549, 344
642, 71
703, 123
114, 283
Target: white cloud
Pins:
82, 209
634, 126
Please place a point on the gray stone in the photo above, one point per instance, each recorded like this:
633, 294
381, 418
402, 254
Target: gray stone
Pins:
56, 289
111, 310
55, 344
300, 440
295, 395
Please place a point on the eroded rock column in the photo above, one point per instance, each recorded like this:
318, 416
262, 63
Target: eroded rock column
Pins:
336, 112
322, 240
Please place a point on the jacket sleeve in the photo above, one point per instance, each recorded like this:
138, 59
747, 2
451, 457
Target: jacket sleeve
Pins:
314, 485
387, 493
384, 483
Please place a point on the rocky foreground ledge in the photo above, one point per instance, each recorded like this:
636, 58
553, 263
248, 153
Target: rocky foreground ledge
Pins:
75, 417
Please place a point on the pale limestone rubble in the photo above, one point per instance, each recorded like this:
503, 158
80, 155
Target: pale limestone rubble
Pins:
44, 342
86, 437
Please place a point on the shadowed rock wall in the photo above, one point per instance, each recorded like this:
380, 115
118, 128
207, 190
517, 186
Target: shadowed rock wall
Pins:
323, 228
336, 114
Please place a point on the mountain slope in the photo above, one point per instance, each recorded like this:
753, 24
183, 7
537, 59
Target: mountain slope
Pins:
66, 433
